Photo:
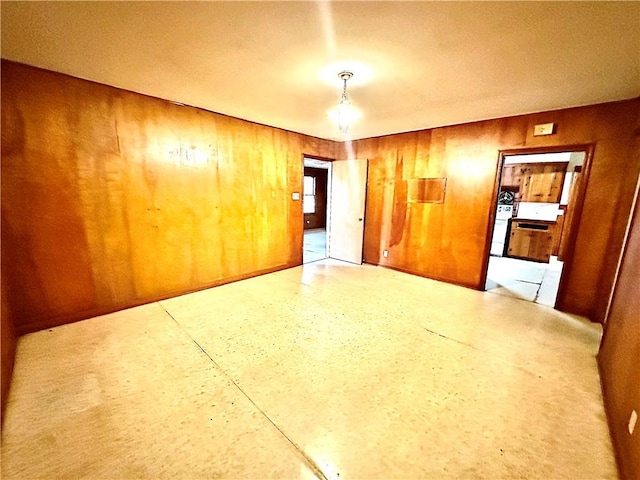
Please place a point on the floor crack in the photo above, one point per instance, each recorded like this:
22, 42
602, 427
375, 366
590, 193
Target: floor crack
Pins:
313, 466
451, 339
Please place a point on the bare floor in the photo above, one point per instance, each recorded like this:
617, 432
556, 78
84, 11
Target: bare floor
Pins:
315, 245
329, 371
531, 281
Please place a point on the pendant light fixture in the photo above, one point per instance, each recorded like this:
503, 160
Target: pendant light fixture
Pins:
344, 114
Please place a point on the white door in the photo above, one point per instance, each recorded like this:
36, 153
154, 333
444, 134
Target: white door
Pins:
346, 214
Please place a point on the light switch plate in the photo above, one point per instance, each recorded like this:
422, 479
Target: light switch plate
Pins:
544, 129
295, 196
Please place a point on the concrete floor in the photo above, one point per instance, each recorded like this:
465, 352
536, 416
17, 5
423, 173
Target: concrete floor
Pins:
329, 370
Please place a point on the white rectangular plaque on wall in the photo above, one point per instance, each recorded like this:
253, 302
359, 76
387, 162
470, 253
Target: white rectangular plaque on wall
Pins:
544, 129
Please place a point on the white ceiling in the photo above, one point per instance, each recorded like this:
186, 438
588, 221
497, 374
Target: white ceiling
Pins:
416, 64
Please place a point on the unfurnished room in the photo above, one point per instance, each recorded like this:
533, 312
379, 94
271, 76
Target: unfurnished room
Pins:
320, 240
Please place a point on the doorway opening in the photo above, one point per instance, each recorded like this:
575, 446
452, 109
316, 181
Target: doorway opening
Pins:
537, 211
315, 208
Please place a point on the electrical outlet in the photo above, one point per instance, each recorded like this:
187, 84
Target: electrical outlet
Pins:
632, 421
385, 253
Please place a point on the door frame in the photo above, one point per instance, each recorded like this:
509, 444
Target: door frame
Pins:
327, 206
572, 232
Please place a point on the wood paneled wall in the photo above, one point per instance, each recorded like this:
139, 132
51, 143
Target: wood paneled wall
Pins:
618, 357
112, 199
102, 210
8, 347
448, 241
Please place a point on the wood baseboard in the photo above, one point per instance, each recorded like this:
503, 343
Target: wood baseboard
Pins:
95, 312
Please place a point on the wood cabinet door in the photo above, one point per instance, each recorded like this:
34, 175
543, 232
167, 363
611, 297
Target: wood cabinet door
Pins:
509, 176
539, 182
545, 182
530, 243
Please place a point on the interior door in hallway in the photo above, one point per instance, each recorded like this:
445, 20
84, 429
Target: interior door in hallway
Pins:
347, 203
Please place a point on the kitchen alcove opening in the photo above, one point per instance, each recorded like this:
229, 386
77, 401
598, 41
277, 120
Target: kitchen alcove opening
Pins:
537, 196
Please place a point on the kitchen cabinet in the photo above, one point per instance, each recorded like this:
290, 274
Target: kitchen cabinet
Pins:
511, 176
535, 182
531, 239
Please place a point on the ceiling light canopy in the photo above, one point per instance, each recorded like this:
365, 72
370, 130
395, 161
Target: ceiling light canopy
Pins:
344, 114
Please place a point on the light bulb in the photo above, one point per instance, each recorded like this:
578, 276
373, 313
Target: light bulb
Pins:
344, 114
